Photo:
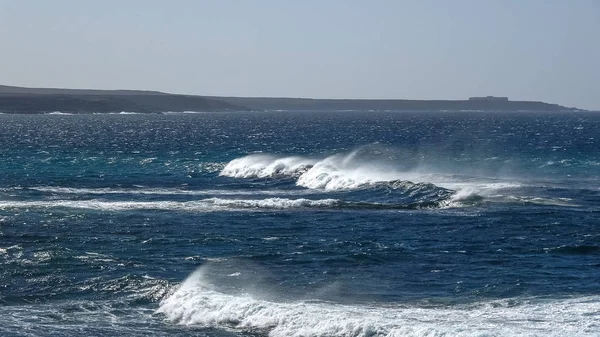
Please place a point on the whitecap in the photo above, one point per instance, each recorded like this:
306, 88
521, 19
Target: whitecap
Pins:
59, 113
197, 302
263, 166
205, 205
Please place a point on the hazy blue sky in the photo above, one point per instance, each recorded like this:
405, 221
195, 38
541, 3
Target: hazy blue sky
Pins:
447, 49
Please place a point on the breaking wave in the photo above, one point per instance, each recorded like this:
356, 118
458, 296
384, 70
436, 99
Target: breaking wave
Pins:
357, 169
332, 173
125, 113
361, 170
197, 302
266, 166
396, 177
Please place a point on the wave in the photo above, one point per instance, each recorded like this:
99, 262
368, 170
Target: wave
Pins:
205, 205
383, 195
360, 172
265, 166
574, 250
462, 198
357, 169
364, 170
400, 194
344, 172
184, 112
60, 113
125, 113
197, 302
332, 173
394, 195
219, 204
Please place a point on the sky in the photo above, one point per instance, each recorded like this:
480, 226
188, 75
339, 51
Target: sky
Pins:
543, 50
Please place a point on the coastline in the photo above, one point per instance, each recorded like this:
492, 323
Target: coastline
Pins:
20, 100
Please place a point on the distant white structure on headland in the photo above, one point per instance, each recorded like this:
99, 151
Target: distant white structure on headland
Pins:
488, 98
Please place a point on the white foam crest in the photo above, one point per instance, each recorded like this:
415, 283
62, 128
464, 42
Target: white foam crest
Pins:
344, 172
184, 112
462, 197
205, 205
195, 302
60, 113
332, 173
354, 170
263, 166
272, 203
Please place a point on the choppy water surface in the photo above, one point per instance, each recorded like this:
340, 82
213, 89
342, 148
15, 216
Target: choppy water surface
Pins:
300, 224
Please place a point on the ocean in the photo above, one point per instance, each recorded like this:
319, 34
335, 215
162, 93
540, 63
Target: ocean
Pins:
292, 223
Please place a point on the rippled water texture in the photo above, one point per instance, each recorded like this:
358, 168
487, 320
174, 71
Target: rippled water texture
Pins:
300, 224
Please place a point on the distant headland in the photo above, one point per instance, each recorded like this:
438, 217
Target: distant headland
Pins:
20, 100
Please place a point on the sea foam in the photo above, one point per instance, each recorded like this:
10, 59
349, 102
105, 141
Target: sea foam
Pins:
332, 173
59, 113
366, 168
205, 205
263, 166
197, 302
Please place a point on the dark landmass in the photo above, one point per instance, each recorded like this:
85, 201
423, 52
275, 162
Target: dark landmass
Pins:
265, 103
46, 100
32, 101
5, 89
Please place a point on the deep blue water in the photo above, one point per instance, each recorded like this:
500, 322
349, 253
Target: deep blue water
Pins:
300, 224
